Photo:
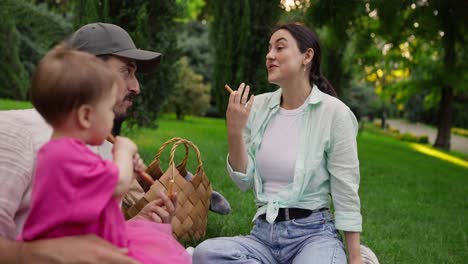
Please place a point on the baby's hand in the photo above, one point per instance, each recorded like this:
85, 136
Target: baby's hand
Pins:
138, 164
125, 144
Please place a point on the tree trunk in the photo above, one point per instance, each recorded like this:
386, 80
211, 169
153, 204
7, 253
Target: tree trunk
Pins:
445, 119
383, 118
446, 101
333, 69
179, 114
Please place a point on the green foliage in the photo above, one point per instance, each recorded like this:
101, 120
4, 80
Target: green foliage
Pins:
424, 38
193, 40
395, 133
460, 115
417, 109
190, 95
460, 131
331, 19
191, 9
362, 100
240, 34
413, 138
27, 31
13, 75
153, 27
86, 11
160, 31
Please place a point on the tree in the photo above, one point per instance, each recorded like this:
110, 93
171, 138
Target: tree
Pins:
453, 23
436, 30
85, 12
194, 42
153, 26
27, 31
332, 19
190, 96
240, 33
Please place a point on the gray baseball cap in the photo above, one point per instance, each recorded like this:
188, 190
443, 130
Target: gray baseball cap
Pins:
108, 39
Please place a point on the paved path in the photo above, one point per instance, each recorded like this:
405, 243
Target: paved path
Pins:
457, 143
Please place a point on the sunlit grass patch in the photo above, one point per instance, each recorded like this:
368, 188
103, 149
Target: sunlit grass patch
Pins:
427, 150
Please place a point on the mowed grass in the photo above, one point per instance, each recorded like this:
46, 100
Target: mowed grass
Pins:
6, 104
414, 207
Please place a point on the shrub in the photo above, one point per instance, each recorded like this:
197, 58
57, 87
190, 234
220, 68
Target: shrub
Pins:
413, 138
460, 131
190, 95
394, 130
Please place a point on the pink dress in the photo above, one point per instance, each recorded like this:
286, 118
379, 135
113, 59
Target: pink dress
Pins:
73, 195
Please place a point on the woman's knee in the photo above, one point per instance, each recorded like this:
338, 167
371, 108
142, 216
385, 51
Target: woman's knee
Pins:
201, 251
217, 250
207, 251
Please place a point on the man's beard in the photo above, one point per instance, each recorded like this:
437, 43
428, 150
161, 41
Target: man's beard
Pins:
121, 113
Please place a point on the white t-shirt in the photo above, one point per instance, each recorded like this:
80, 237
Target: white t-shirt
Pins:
276, 158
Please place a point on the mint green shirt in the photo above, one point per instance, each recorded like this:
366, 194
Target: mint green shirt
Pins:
327, 161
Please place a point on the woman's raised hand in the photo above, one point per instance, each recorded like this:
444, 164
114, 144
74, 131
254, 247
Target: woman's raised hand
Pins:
238, 109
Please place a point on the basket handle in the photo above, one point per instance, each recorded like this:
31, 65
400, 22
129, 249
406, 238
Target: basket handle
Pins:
163, 146
187, 144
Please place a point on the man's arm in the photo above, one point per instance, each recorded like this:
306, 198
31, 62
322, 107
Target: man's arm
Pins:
77, 249
9, 251
16, 165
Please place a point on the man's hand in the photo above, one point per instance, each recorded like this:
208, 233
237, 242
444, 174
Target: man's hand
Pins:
160, 210
73, 250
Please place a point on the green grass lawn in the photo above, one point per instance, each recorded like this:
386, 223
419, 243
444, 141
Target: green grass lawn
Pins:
6, 104
415, 207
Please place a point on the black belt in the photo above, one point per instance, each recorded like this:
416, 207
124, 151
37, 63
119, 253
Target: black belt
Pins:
285, 214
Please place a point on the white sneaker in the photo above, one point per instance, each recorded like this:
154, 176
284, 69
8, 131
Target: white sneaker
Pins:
190, 250
368, 257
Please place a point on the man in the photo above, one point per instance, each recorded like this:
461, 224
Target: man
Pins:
23, 132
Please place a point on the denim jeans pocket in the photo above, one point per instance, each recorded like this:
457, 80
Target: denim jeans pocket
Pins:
302, 222
318, 219
313, 224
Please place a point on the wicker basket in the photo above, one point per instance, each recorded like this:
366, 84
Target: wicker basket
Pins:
193, 197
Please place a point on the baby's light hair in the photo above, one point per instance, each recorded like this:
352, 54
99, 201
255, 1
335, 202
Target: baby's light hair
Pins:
65, 79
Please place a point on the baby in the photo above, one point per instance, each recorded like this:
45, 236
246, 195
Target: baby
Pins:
75, 191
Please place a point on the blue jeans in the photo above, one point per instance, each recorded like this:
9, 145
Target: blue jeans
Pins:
313, 239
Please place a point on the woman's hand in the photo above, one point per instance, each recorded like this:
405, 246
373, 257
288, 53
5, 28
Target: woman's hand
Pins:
237, 113
238, 110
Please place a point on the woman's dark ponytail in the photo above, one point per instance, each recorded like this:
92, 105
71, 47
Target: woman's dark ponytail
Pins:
322, 83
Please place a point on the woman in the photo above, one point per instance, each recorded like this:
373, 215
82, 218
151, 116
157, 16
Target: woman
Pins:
294, 147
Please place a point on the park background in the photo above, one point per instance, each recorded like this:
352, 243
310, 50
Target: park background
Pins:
401, 66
